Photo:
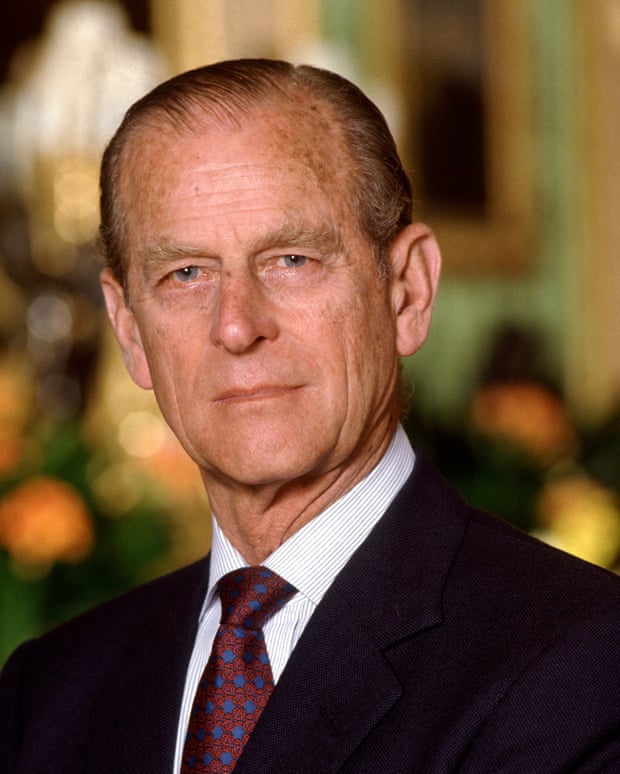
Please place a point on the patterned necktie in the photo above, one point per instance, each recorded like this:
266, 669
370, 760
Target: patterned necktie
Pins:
237, 680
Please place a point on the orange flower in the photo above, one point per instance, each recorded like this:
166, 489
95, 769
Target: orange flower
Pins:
45, 520
527, 415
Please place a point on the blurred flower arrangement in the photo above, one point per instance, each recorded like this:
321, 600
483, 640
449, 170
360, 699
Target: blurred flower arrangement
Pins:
575, 486
518, 454
80, 518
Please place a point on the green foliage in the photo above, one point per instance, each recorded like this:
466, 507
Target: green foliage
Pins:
126, 544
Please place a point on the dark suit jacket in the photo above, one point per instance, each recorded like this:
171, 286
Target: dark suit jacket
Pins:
450, 642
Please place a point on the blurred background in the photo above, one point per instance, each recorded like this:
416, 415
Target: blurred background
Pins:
508, 116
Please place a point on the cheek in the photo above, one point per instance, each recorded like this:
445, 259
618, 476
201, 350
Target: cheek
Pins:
169, 350
359, 345
371, 353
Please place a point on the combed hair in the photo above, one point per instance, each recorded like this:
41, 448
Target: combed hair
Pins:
229, 92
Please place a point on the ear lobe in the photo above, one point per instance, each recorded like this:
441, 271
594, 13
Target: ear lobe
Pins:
126, 330
416, 264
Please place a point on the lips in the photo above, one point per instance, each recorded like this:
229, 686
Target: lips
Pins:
255, 393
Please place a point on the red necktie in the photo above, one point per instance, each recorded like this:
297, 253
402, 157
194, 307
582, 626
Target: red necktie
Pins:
237, 680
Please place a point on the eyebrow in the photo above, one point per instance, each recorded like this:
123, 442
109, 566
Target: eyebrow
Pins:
154, 258
158, 255
322, 237
165, 250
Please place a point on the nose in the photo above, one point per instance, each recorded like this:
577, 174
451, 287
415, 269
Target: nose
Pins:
243, 315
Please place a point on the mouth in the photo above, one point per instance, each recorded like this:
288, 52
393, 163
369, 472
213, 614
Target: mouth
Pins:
258, 393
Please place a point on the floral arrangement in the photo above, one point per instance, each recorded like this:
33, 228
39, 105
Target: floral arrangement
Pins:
80, 519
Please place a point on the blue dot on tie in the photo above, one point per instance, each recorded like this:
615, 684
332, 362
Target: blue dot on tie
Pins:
209, 708
249, 706
247, 657
207, 758
218, 732
218, 681
255, 605
226, 758
228, 706
237, 732
201, 733
228, 656
259, 683
260, 588
239, 681
263, 658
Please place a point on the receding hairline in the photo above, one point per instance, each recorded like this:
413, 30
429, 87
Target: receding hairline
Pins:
202, 119
203, 116
230, 90
229, 94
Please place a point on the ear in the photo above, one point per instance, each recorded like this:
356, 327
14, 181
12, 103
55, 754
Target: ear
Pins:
416, 263
126, 330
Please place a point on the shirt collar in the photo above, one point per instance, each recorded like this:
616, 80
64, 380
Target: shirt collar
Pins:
312, 557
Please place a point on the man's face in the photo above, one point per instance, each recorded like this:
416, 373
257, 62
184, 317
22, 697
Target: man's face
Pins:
255, 308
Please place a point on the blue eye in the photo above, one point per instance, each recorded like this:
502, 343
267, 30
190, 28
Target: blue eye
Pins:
294, 261
186, 274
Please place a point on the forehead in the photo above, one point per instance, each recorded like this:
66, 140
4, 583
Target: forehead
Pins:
287, 139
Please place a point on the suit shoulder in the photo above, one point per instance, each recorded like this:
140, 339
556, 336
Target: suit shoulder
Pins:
495, 569
55, 686
518, 572
102, 629
493, 545
499, 536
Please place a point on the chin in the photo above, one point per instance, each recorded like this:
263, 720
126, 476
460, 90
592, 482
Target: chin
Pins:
265, 465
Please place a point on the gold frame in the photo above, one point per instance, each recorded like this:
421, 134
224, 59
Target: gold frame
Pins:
593, 332
501, 241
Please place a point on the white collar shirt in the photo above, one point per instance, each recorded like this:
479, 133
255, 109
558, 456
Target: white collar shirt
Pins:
310, 560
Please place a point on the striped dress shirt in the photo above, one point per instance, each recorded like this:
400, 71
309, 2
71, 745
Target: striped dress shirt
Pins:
310, 560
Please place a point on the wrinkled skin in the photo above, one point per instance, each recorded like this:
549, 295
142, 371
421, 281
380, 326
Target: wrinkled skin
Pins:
255, 311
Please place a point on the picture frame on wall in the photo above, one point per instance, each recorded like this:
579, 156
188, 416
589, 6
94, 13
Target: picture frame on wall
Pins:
469, 142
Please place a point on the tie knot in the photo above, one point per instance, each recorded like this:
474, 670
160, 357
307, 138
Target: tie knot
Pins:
250, 595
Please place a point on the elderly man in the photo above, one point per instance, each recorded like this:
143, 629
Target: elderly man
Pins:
263, 277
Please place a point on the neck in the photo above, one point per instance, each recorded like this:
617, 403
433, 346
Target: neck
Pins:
259, 519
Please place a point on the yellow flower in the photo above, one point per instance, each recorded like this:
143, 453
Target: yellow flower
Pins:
582, 517
45, 520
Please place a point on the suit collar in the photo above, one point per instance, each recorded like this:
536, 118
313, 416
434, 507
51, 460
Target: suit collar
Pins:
341, 679
395, 581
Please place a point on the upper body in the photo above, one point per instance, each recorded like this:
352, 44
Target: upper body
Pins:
264, 278
448, 642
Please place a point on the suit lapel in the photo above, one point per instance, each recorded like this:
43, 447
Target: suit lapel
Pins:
340, 680
136, 721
